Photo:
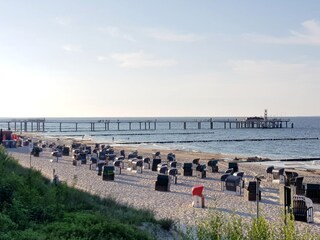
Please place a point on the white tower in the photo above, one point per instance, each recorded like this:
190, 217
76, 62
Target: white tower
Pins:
266, 114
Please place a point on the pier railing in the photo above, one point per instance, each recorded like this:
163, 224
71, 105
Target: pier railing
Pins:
43, 125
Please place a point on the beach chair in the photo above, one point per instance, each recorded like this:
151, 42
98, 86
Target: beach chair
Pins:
250, 191
88, 149
75, 162
212, 166
129, 163
125, 164
117, 167
171, 157
313, 192
160, 165
102, 156
197, 197
241, 175
187, 169
173, 172
289, 176
156, 155
94, 158
66, 151
97, 146
110, 150
155, 163
35, 151
195, 163
146, 163
123, 153
94, 161
223, 181
137, 165
73, 145
302, 209
233, 184
234, 166
111, 156
108, 173
132, 155
278, 176
173, 164
162, 183
269, 173
201, 171
99, 167
56, 155
163, 169
82, 157
297, 186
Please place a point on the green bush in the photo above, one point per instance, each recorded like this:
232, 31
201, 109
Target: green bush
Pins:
259, 229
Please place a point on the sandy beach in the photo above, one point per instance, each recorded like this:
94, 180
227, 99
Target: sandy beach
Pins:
138, 191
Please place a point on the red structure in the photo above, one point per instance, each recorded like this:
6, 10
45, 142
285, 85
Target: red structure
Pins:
197, 196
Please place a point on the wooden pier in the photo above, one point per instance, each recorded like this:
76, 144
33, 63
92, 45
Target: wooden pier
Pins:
25, 124
43, 125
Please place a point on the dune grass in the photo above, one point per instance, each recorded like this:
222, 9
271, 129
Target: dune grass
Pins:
231, 227
31, 207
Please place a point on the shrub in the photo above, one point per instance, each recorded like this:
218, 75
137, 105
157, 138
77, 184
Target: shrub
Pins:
166, 223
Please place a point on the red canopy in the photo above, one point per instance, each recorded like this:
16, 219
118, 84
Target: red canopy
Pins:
197, 190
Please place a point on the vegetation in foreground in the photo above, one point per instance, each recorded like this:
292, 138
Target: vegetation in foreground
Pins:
31, 207
226, 227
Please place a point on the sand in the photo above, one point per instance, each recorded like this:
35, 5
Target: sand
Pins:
138, 191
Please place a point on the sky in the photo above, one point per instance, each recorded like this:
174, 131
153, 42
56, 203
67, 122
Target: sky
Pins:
168, 58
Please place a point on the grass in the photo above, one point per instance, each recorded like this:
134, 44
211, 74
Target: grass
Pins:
31, 207
226, 227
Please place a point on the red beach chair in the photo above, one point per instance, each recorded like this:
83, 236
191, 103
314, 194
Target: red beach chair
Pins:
197, 197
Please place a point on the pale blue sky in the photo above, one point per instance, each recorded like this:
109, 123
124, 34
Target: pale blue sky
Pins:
159, 58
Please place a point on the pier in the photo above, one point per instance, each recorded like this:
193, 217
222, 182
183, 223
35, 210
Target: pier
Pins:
43, 125
24, 124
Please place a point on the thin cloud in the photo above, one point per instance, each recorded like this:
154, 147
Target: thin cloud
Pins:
102, 58
72, 48
63, 20
116, 33
309, 35
171, 36
276, 71
140, 60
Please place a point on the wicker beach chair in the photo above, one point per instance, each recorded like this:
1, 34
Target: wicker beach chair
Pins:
302, 209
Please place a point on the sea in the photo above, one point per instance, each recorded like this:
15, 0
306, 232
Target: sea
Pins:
301, 141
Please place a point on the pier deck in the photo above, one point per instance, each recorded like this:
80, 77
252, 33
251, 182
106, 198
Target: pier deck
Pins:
43, 125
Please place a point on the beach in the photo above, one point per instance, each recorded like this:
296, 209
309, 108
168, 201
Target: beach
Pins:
138, 191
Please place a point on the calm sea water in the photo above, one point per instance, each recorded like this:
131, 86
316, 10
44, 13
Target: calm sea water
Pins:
304, 127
